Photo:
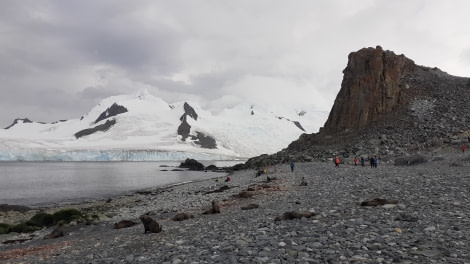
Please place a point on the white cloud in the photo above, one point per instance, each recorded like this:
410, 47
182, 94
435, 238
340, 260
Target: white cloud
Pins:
65, 53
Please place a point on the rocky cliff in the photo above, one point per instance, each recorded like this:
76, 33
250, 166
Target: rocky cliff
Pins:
370, 88
387, 106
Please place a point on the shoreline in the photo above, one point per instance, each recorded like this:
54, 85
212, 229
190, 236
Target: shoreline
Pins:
62, 183
23, 213
432, 213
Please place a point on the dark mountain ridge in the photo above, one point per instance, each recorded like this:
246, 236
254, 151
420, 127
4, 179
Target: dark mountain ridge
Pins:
387, 106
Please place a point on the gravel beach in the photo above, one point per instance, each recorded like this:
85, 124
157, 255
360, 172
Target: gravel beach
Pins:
428, 224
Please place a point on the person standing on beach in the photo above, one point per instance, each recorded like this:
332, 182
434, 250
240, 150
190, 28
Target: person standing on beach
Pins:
336, 161
292, 166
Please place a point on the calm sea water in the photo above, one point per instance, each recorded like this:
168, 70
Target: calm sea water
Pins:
49, 183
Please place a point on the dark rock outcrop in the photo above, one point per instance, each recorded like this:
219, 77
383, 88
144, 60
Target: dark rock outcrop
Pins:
297, 124
12, 207
103, 127
387, 106
205, 141
370, 88
18, 120
192, 164
184, 129
189, 111
114, 110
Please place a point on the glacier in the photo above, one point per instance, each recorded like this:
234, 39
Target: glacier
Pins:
109, 155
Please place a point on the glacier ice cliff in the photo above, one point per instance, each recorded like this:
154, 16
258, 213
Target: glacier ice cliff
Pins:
108, 155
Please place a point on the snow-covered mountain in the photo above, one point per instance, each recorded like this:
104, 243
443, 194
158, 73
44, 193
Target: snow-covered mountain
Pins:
144, 127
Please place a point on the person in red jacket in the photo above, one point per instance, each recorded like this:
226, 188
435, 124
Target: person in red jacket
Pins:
355, 161
463, 148
336, 161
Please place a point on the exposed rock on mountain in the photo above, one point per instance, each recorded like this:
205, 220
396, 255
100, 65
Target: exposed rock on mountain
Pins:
387, 106
205, 141
113, 110
188, 110
299, 125
19, 120
103, 127
184, 129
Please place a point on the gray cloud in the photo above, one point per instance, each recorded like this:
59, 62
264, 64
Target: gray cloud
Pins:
61, 57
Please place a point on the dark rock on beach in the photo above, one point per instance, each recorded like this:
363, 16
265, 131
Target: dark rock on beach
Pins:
192, 164
10, 207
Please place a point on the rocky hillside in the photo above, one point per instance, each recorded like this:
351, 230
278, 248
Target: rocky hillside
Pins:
387, 106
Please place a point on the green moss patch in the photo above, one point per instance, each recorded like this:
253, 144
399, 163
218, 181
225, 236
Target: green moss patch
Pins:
67, 215
24, 228
4, 228
41, 219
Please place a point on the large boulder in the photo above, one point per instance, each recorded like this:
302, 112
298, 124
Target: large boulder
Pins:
192, 164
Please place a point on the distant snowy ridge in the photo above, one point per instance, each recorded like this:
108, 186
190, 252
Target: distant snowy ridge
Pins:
144, 127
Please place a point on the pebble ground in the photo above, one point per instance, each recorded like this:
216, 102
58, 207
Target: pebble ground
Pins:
430, 223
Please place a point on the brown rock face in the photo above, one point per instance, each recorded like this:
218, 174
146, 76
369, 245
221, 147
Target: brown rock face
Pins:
387, 106
369, 90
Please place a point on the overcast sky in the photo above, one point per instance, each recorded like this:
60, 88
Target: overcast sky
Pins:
60, 58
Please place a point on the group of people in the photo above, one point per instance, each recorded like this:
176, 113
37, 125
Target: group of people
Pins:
373, 161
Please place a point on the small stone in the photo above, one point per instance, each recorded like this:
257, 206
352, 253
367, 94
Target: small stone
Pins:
177, 261
317, 244
130, 258
240, 243
227, 249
